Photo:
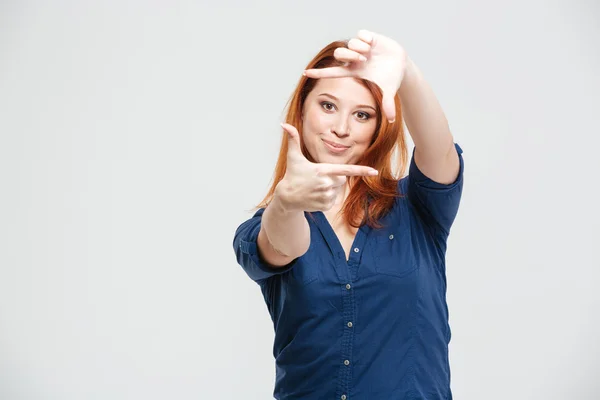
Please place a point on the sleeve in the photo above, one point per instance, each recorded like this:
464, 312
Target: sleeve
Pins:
246, 251
437, 203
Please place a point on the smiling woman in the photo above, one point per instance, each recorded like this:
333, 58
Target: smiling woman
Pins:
348, 252
345, 111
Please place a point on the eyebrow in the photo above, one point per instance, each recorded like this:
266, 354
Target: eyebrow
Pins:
336, 99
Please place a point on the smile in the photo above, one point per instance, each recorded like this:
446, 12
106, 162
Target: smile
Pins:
334, 147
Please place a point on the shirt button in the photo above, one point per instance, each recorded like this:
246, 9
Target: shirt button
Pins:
356, 249
348, 286
349, 324
391, 237
343, 397
346, 362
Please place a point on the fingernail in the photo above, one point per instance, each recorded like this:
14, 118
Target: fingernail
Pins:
391, 121
362, 58
374, 172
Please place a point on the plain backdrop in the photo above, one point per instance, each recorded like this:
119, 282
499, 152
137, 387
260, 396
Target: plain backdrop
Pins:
135, 136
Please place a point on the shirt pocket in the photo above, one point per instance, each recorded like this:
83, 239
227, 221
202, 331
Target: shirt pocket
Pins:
393, 253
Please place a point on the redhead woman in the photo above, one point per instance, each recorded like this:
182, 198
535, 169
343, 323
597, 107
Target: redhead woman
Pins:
348, 247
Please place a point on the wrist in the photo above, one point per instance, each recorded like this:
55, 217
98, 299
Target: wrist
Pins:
411, 75
280, 201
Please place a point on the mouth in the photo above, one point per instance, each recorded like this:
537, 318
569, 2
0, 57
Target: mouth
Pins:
335, 147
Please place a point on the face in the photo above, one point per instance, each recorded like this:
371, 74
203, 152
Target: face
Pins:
339, 120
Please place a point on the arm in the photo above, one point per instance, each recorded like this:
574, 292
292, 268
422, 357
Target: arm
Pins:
435, 153
284, 235
253, 250
436, 171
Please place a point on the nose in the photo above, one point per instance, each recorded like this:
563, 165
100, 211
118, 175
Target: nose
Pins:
340, 127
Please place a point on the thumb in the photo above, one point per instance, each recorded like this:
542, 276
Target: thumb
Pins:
389, 106
293, 139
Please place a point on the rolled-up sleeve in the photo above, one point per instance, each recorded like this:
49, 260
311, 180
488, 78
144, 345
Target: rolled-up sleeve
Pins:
437, 203
246, 251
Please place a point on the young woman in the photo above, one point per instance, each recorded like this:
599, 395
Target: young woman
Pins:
349, 253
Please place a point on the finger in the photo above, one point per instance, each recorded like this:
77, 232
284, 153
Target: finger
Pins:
346, 170
359, 46
367, 37
293, 138
389, 107
348, 55
331, 72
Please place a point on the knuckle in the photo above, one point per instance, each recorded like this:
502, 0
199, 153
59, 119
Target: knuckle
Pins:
324, 183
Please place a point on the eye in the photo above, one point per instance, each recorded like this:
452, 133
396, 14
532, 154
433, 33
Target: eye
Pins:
365, 116
325, 104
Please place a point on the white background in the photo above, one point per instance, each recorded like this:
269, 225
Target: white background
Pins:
136, 136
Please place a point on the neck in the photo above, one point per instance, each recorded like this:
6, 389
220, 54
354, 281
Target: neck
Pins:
342, 194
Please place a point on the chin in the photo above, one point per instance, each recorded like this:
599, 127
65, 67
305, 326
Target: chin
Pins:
335, 160
331, 159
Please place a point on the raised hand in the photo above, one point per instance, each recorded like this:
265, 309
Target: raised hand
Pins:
309, 186
374, 57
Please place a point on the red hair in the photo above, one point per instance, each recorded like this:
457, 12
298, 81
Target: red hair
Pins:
371, 197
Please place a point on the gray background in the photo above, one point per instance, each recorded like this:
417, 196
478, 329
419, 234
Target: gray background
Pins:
136, 136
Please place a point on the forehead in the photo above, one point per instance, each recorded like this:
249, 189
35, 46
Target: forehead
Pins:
346, 89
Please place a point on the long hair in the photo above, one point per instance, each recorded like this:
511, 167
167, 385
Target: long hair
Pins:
370, 197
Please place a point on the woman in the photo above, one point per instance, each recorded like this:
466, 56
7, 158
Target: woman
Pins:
350, 258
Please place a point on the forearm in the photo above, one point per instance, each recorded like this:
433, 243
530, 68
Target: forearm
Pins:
284, 234
435, 154
423, 114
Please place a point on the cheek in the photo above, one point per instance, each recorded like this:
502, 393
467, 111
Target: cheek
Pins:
365, 137
312, 127
314, 120
309, 135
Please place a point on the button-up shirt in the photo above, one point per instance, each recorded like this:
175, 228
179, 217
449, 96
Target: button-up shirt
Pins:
375, 325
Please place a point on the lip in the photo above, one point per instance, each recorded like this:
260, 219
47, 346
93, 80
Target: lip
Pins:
334, 147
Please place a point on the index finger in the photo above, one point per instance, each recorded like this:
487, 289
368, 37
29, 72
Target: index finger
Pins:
347, 170
329, 72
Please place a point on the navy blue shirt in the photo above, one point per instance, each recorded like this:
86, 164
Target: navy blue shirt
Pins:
374, 326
